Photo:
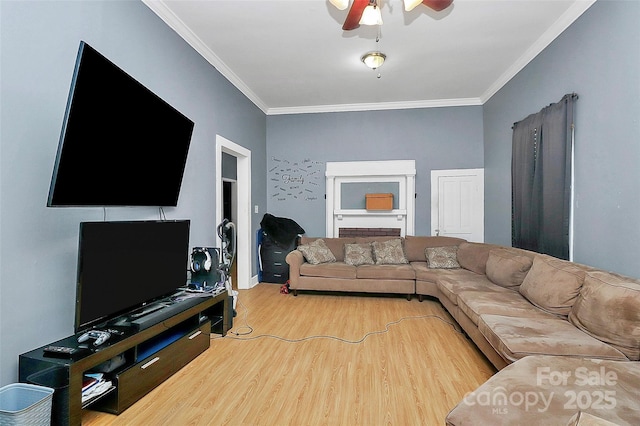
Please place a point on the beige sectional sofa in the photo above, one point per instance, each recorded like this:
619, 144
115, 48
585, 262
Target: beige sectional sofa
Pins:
550, 390
514, 305
338, 275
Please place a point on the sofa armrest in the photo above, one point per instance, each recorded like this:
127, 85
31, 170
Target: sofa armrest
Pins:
294, 259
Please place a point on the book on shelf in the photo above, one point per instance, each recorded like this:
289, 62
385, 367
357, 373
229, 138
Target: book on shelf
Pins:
94, 385
89, 380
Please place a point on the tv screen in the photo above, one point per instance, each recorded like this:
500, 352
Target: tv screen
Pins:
120, 145
126, 265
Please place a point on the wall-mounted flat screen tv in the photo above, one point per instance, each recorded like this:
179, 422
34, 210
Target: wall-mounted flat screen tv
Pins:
123, 266
120, 145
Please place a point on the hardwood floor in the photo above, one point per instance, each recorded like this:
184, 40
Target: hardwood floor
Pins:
319, 359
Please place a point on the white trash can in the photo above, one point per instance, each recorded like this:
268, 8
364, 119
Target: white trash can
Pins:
25, 404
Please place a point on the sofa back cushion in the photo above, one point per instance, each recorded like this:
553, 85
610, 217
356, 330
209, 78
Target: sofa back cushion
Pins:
608, 308
364, 240
336, 245
414, 246
553, 284
507, 268
474, 256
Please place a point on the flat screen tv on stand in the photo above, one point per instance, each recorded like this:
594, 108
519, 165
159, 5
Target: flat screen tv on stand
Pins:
119, 139
127, 267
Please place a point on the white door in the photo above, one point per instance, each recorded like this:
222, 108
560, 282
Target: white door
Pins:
457, 204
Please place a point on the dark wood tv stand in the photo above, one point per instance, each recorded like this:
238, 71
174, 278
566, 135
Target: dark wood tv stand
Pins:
150, 357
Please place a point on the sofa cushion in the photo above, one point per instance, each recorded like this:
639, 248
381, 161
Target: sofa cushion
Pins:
553, 284
608, 308
532, 392
424, 273
328, 270
316, 252
585, 419
358, 254
473, 256
442, 257
389, 252
507, 268
369, 240
516, 337
336, 245
452, 282
414, 246
386, 272
475, 303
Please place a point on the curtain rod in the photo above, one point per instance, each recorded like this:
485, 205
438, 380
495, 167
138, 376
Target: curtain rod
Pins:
573, 95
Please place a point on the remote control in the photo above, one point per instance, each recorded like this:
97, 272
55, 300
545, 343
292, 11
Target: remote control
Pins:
59, 351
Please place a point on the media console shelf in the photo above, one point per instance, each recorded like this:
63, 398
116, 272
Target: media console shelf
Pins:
143, 359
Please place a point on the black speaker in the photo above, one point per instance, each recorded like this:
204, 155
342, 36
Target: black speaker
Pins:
205, 262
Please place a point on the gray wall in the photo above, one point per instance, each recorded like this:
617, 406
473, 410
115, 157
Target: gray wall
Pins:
353, 195
598, 57
39, 244
437, 138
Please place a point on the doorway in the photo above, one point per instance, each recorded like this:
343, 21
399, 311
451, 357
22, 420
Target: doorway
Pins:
243, 210
230, 213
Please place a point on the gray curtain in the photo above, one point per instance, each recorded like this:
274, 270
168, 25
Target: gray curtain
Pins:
541, 179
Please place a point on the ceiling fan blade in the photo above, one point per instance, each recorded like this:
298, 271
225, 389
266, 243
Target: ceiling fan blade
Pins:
437, 5
355, 13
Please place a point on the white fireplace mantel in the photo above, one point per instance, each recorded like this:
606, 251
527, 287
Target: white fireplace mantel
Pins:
401, 171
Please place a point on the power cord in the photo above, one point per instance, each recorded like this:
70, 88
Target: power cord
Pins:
340, 339
246, 325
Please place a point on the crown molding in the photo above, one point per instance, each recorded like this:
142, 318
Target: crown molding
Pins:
572, 13
166, 14
376, 106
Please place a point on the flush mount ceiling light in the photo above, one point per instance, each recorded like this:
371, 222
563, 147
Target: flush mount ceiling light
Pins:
367, 12
373, 59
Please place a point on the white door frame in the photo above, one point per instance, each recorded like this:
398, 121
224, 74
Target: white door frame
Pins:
243, 221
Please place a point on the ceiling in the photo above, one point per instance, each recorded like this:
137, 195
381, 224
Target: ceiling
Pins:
292, 56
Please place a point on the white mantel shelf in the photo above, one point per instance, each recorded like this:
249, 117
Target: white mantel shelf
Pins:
361, 212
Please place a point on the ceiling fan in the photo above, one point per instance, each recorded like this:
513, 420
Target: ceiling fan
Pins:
358, 7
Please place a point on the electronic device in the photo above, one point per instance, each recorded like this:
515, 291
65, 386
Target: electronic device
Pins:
99, 337
125, 266
61, 351
205, 272
120, 144
198, 263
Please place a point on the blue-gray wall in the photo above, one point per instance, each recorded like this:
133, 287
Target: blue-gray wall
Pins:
39, 244
436, 138
598, 57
